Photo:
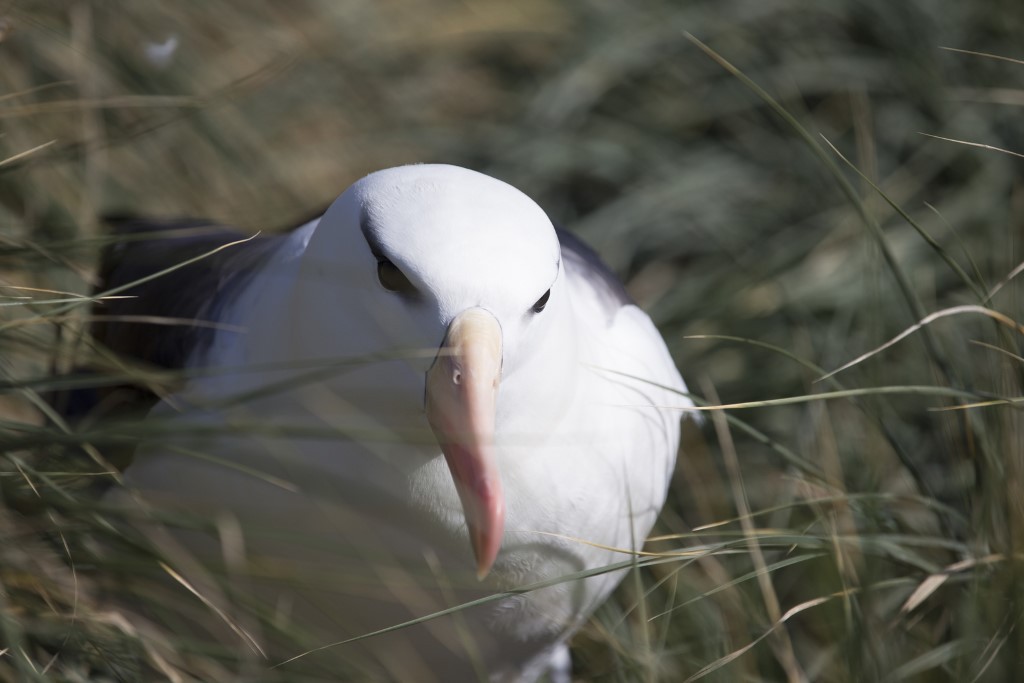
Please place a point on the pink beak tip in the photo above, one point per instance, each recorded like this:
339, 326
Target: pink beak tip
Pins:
486, 547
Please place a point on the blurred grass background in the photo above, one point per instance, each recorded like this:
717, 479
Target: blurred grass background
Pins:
889, 532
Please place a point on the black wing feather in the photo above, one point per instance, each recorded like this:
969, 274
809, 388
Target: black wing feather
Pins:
168, 319
579, 258
190, 293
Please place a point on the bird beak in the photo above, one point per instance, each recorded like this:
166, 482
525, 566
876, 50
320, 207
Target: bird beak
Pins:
461, 393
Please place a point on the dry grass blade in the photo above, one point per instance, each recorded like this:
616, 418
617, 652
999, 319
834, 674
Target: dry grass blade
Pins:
1005, 281
27, 153
933, 659
987, 55
782, 645
933, 582
993, 347
78, 301
979, 145
1000, 318
732, 656
954, 266
992, 649
576, 576
242, 633
831, 395
78, 105
756, 574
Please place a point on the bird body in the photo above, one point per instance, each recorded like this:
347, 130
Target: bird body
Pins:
423, 376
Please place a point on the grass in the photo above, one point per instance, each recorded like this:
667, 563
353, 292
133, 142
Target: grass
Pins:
783, 194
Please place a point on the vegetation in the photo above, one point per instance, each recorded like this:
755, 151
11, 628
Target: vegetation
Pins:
780, 185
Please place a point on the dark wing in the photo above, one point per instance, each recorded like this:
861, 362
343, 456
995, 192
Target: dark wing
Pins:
580, 259
167, 319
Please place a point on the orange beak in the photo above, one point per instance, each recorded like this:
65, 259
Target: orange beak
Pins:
461, 394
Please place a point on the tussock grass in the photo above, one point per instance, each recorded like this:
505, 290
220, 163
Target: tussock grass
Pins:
788, 191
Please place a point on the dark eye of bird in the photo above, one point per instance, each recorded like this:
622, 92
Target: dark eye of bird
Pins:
392, 279
542, 302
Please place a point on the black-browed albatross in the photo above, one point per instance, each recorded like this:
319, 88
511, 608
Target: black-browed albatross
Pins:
356, 481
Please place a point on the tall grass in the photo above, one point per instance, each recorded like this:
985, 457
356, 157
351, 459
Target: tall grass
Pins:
775, 199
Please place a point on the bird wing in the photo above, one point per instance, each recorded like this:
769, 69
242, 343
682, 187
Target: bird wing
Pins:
164, 321
583, 262
629, 330
186, 300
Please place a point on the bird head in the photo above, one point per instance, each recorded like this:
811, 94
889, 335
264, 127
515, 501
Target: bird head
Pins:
468, 266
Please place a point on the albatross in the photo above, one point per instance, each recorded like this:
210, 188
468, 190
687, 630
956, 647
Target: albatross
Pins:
404, 412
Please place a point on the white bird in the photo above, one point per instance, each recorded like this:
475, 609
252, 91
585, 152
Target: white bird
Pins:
424, 397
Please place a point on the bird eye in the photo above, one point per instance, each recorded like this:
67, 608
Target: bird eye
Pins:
392, 279
542, 302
